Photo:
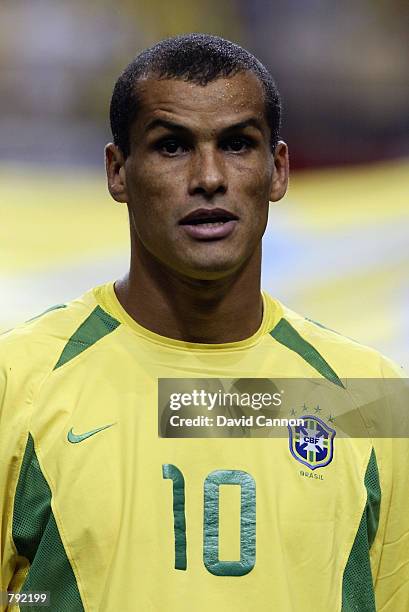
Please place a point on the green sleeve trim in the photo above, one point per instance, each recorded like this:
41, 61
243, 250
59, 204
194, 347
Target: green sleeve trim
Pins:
289, 337
36, 537
56, 307
357, 585
96, 326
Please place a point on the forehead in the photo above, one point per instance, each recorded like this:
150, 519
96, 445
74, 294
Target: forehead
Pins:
221, 101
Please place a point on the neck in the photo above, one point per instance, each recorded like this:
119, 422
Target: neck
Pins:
206, 311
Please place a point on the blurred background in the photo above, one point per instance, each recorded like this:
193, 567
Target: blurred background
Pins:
337, 247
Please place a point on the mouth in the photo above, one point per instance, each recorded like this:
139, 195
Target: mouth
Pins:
209, 224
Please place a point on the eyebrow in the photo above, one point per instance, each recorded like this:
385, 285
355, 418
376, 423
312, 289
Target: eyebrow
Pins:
172, 125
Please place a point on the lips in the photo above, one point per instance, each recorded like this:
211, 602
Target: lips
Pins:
209, 224
208, 215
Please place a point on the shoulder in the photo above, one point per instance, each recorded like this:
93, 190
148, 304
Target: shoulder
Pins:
28, 355
32, 349
348, 357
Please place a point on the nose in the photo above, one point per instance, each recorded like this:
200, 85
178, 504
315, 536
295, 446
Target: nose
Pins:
207, 173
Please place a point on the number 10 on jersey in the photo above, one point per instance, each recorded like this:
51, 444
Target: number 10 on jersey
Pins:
211, 520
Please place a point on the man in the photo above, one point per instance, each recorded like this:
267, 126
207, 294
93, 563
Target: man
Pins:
99, 510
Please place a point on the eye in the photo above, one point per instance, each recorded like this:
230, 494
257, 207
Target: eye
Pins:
237, 144
171, 147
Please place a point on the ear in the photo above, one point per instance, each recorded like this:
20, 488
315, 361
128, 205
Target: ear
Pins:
116, 175
281, 170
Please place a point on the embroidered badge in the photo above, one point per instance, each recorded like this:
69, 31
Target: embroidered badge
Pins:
312, 443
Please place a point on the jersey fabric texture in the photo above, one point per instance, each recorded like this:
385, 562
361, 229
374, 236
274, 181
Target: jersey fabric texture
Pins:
105, 515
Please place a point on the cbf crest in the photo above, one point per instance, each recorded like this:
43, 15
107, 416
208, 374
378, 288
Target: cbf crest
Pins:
312, 443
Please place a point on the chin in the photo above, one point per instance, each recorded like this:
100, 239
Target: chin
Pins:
211, 270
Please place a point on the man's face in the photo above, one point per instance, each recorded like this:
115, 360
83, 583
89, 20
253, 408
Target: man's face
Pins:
200, 173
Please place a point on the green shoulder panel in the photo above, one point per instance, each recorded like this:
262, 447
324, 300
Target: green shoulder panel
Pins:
36, 537
357, 585
97, 325
285, 334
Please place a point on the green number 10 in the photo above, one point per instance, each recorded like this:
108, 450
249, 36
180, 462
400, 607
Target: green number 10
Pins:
211, 520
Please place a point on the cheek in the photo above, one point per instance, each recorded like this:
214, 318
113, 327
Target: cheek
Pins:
153, 205
253, 193
151, 193
255, 177
253, 190
144, 186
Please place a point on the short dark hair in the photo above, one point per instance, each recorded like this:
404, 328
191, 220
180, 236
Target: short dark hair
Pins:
199, 58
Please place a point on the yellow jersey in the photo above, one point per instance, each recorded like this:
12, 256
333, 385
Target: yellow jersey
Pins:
105, 514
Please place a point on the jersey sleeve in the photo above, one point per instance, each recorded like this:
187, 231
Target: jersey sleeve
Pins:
391, 573
14, 423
